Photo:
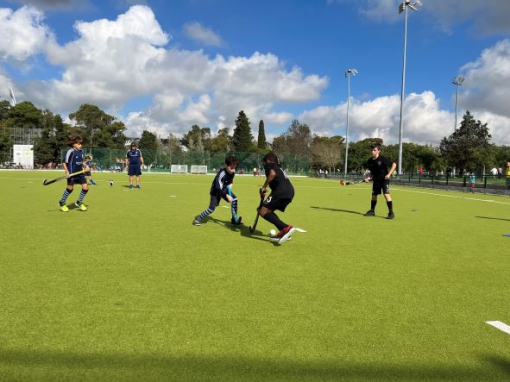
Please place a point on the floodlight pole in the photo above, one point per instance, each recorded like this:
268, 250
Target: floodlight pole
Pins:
403, 8
457, 81
348, 74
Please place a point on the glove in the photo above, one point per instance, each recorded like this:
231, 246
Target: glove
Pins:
262, 192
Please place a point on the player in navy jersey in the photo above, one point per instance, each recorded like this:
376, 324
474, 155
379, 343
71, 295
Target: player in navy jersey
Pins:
88, 162
73, 162
381, 169
134, 163
221, 188
282, 193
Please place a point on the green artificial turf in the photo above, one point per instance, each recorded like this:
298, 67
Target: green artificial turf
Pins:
131, 291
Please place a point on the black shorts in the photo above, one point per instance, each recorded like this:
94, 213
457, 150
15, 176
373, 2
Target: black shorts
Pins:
216, 199
134, 170
77, 179
274, 204
381, 186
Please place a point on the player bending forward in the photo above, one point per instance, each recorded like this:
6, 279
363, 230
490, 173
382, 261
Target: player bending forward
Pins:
221, 188
282, 193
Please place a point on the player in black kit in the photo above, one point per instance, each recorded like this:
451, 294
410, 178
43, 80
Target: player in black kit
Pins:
221, 188
381, 169
282, 193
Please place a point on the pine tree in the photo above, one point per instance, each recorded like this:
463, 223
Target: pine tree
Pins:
242, 139
261, 142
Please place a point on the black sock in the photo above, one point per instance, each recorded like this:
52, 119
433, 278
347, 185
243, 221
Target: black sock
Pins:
274, 219
373, 204
390, 206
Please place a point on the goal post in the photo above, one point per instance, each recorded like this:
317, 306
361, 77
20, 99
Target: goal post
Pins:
179, 169
198, 169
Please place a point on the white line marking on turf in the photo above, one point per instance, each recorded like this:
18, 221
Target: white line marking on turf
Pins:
453, 196
500, 325
300, 230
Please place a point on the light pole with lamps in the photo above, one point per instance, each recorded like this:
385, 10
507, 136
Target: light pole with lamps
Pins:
403, 8
457, 81
348, 74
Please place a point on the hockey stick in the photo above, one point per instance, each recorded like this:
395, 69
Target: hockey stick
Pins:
349, 182
252, 229
47, 182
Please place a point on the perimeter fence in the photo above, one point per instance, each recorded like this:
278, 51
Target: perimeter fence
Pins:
484, 184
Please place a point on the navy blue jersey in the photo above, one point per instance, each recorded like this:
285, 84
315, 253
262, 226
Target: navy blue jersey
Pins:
221, 181
281, 187
134, 157
379, 167
74, 160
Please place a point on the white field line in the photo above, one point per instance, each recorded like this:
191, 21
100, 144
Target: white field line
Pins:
500, 325
453, 196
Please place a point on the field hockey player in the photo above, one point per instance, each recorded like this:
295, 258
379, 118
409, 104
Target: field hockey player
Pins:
74, 162
221, 188
282, 193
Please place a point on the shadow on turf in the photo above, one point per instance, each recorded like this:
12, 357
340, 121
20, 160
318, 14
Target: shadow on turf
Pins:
77, 366
243, 229
338, 210
487, 217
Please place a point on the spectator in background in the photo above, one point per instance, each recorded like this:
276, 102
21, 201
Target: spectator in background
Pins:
507, 174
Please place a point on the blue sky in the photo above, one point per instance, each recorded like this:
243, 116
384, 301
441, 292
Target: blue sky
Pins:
163, 65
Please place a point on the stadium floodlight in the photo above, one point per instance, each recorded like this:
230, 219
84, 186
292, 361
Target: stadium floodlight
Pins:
403, 8
457, 81
348, 74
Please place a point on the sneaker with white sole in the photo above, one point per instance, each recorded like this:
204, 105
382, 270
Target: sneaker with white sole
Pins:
285, 234
196, 222
81, 206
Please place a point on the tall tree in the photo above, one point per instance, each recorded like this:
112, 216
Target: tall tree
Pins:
24, 114
222, 142
467, 148
98, 128
326, 152
242, 139
261, 141
197, 139
296, 140
148, 145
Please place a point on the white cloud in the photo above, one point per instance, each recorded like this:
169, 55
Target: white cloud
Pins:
23, 33
201, 34
424, 121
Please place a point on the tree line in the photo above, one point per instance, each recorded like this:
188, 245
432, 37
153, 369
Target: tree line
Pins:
468, 148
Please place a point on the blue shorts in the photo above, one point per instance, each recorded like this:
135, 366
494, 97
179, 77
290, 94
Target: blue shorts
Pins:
134, 170
77, 179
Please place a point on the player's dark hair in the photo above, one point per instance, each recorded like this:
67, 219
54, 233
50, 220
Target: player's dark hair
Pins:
75, 139
232, 161
271, 157
376, 145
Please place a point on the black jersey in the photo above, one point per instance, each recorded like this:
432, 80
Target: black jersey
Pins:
379, 167
281, 187
221, 181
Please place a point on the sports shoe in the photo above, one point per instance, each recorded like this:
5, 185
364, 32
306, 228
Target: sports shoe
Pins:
131, 186
285, 234
81, 206
63, 207
391, 215
196, 222
238, 222
370, 213
92, 182
138, 186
